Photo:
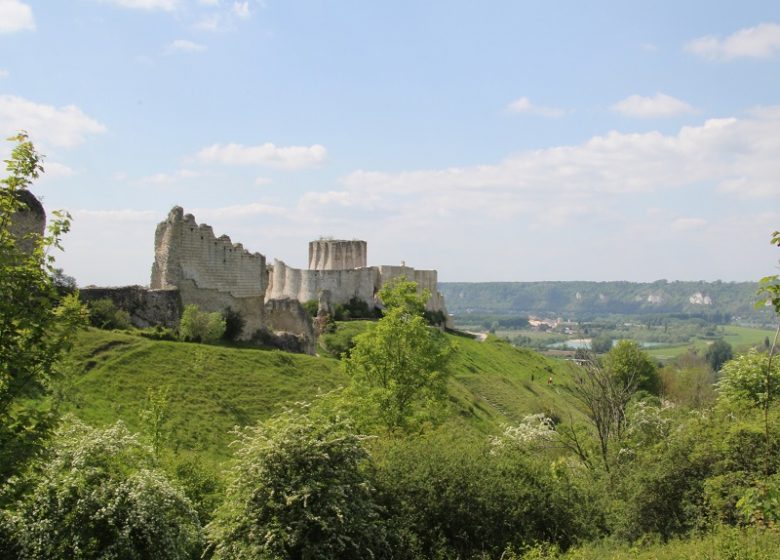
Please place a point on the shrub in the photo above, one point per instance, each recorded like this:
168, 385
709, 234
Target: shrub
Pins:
311, 307
234, 324
355, 309
199, 326
456, 500
104, 314
97, 496
298, 491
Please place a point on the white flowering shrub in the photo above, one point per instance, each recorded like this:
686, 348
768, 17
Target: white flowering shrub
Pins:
98, 497
298, 490
534, 431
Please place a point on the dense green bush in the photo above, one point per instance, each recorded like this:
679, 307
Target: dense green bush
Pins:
299, 491
104, 314
97, 495
311, 307
200, 326
355, 309
234, 324
455, 500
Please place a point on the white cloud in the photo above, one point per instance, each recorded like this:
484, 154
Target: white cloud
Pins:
524, 105
170, 178
184, 46
241, 9
649, 47
761, 41
292, 157
146, 5
239, 211
15, 16
3, 73
660, 105
736, 156
66, 126
211, 22
54, 169
262, 181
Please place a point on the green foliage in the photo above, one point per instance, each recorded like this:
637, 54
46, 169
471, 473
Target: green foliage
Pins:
37, 325
97, 496
749, 379
601, 344
631, 366
154, 416
400, 293
199, 326
399, 362
311, 307
298, 491
689, 380
340, 340
452, 498
103, 314
718, 353
355, 309
234, 324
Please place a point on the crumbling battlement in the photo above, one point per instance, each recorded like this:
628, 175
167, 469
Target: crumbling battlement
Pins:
185, 250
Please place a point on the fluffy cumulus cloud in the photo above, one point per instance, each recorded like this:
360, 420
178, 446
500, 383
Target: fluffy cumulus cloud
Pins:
659, 105
268, 154
15, 16
184, 46
524, 105
761, 41
66, 126
590, 182
712, 189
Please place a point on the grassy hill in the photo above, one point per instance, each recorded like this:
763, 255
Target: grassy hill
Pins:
214, 388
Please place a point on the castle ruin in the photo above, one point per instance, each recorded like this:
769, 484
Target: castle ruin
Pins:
194, 266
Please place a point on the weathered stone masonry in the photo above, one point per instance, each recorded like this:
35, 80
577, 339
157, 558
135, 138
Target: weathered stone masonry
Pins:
194, 266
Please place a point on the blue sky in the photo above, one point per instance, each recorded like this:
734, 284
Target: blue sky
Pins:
490, 140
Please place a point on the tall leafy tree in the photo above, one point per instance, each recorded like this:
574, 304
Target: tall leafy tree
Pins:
36, 324
400, 362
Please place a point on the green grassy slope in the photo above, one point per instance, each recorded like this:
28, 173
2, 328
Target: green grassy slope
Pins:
214, 388
211, 388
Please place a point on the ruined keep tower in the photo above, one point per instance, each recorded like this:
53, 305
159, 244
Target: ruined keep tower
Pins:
337, 254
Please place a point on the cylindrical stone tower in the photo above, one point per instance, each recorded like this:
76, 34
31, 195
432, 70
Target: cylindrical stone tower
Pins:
337, 254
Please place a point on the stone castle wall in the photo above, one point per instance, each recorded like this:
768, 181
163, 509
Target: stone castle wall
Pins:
28, 222
210, 272
337, 254
426, 280
146, 307
307, 285
185, 250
